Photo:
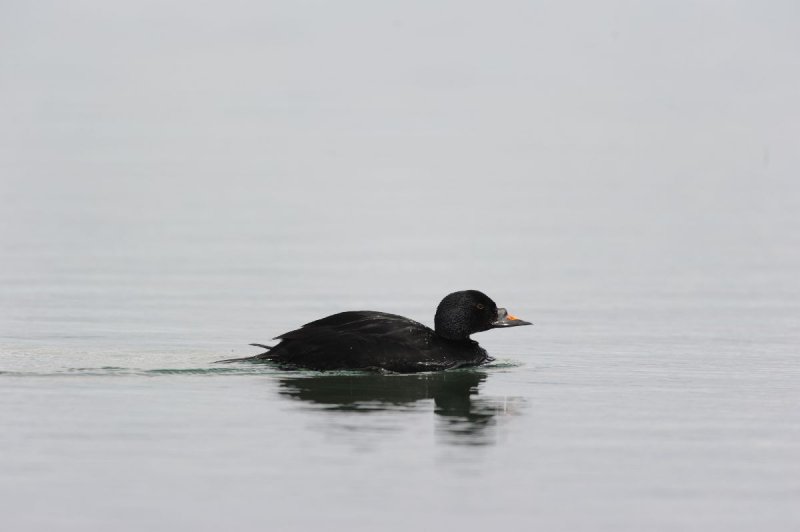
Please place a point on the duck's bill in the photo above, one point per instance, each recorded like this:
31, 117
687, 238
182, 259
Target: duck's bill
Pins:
504, 319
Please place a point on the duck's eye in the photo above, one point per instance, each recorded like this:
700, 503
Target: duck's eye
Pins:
480, 306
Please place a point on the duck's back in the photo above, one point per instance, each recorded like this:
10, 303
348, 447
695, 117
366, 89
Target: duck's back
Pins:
368, 339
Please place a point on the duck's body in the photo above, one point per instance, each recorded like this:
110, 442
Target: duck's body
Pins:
366, 339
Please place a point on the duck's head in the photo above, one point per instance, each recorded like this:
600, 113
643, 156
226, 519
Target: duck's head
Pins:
463, 313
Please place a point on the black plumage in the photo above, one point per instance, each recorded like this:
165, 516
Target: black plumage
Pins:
366, 339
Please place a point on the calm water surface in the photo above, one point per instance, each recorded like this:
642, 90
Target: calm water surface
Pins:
648, 394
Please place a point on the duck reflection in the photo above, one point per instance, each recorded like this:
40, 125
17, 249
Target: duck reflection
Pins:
462, 416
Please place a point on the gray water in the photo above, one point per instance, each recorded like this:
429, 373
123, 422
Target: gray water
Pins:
179, 180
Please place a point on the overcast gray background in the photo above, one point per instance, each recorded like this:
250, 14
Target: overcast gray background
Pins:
178, 179
519, 138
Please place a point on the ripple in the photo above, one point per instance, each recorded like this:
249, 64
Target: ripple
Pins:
113, 371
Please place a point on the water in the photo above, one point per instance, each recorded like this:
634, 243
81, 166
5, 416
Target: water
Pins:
167, 200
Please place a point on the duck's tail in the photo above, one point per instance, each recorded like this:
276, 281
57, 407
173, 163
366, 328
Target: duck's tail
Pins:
261, 356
